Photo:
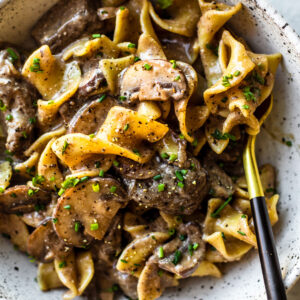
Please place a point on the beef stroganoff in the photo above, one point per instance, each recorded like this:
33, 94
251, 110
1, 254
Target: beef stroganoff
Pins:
121, 137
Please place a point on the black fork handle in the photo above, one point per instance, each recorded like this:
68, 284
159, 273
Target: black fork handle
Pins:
268, 257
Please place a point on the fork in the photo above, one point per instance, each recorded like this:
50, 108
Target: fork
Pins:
265, 239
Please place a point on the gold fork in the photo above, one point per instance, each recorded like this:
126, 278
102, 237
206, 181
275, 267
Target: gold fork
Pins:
265, 239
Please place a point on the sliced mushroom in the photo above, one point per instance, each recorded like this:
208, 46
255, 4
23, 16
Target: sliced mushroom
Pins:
36, 217
91, 116
86, 210
15, 228
44, 244
156, 79
23, 198
183, 254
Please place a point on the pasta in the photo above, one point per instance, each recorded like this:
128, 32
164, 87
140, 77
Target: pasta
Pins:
127, 173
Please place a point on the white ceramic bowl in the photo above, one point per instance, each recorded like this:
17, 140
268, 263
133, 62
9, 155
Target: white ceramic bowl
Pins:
266, 32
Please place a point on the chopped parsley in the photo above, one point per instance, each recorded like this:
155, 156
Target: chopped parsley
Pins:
122, 98
37, 179
68, 207
258, 78
177, 78
77, 226
180, 184
173, 157
101, 173
113, 189
62, 264
161, 252
126, 127
195, 143
237, 73
163, 4
96, 187
161, 187
216, 213
177, 257
94, 226
114, 288
64, 148
9, 117
13, 57
92, 135
219, 136
131, 45
164, 155
174, 64
102, 97
179, 175
225, 80
157, 177
124, 261
241, 232
182, 237
36, 67
248, 94
215, 50
172, 231
136, 58
96, 35
244, 216
245, 106
116, 163
30, 192
32, 120
54, 220
147, 67
2, 106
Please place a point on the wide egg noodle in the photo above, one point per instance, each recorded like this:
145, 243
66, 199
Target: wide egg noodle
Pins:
214, 16
47, 277
75, 272
193, 117
232, 225
111, 68
55, 81
87, 47
112, 138
184, 16
138, 251
13, 226
5, 174
34, 151
49, 169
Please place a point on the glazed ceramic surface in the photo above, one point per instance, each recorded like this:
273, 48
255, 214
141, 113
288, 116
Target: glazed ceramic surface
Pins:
266, 32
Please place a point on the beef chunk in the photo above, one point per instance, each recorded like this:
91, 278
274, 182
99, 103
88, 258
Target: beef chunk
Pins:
65, 22
17, 97
175, 190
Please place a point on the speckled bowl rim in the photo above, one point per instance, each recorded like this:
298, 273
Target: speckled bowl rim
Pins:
294, 39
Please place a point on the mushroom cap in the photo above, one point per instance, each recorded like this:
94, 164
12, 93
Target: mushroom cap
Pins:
22, 198
154, 79
44, 244
85, 211
91, 116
